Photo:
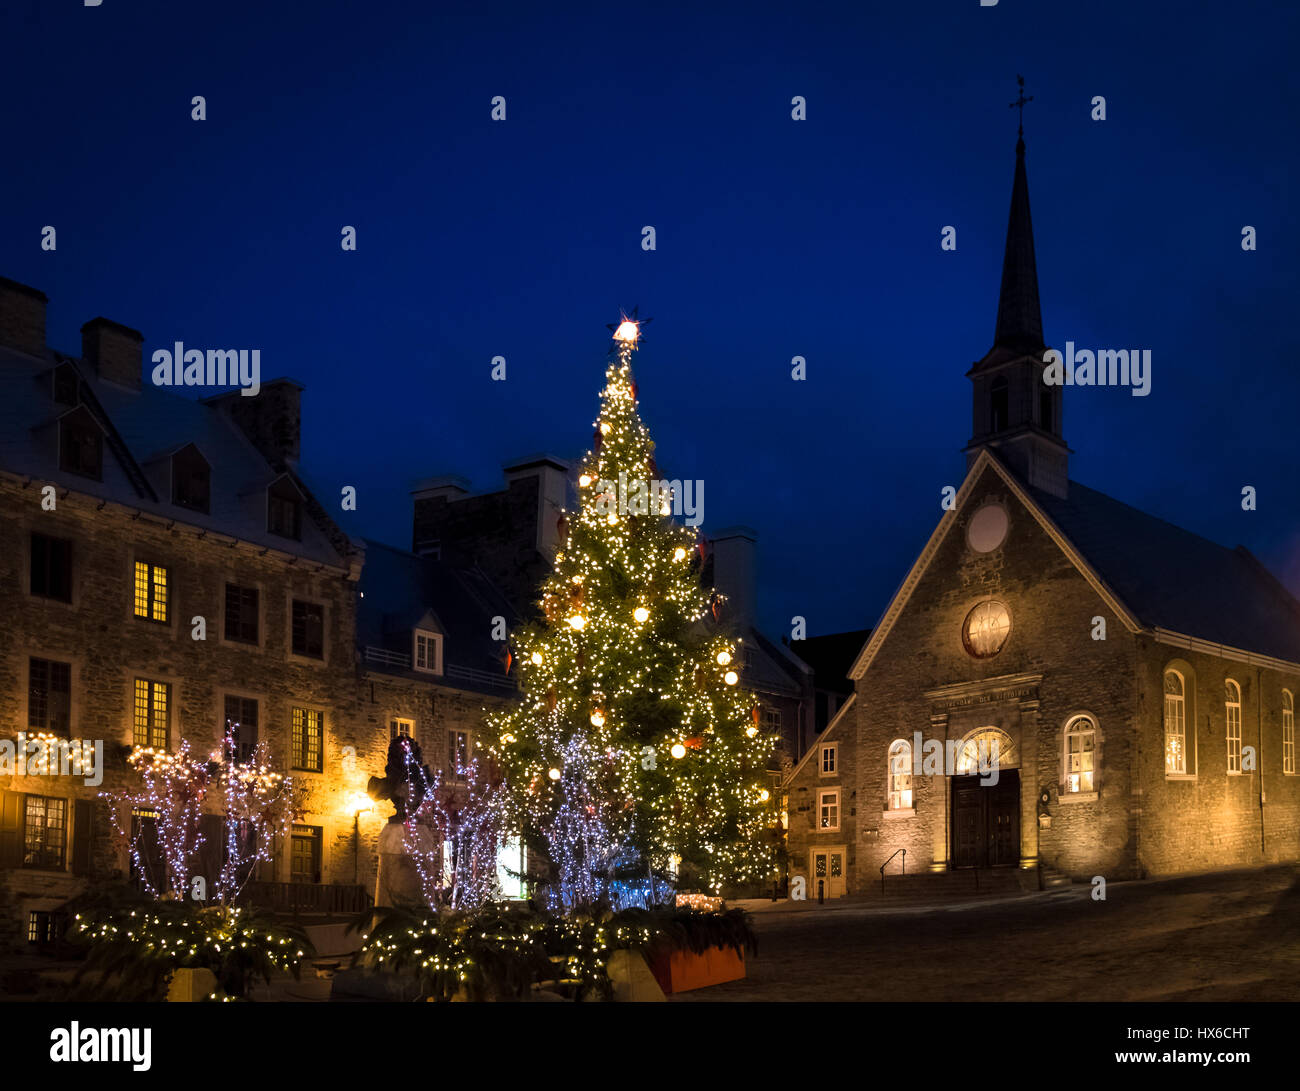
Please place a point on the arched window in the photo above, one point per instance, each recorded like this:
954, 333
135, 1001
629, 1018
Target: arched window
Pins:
1232, 714
1080, 754
1288, 731
987, 749
998, 405
1175, 724
900, 776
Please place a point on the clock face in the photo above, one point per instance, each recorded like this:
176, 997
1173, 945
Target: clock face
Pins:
987, 528
986, 629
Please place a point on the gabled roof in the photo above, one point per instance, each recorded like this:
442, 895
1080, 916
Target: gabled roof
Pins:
823, 737
1153, 576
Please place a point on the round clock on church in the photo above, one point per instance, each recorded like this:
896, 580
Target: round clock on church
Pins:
986, 629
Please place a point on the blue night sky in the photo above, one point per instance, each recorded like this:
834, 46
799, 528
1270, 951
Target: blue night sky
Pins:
775, 239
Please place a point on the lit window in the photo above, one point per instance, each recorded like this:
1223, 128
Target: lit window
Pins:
900, 775
828, 806
44, 832
152, 705
150, 591
1080, 751
830, 759
1288, 731
986, 629
428, 651
1175, 724
308, 740
985, 750
1232, 713
401, 728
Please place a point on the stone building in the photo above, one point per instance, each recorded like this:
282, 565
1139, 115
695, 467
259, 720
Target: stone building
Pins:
1062, 683
166, 572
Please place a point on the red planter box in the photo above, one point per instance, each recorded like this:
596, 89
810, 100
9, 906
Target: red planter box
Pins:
682, 971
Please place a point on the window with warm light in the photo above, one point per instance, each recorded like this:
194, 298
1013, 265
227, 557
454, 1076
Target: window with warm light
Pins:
152, 713
1175, 724
900, 776
399, 727
150, 591
1232, 717
308, 744
1288, 732
985, 629
1080, 754
45, 828
828, 807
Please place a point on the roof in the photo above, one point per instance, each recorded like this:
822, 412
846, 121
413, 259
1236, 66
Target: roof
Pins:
831, 656
1173, 579
400, 590
139, 426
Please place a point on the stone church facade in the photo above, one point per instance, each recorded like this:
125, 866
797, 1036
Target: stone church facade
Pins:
1062, 684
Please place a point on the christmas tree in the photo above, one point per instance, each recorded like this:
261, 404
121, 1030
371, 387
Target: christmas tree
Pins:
628, 675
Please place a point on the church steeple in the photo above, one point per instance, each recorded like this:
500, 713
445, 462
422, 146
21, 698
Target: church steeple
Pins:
1016, 414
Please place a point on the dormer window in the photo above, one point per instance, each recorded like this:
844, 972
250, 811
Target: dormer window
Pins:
66, 385
427, 655
284, 510
191, 480
81, 445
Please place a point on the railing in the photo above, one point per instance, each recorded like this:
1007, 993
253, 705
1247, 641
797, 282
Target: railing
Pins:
902, 869
387, 658
299, 898
482, 678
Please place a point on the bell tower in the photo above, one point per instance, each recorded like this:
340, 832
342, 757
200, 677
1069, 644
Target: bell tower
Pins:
1016, 414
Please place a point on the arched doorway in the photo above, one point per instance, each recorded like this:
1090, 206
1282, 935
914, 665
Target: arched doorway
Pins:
986, 801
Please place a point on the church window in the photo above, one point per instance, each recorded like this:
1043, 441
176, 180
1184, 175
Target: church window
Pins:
1232, 710
900, 776
828, 807
1175, 724
1288, 732
986, 629
1080, 754
999, 410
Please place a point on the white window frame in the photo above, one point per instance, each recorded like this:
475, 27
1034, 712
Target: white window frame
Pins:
395, 723
828, 805
1288, 733
833, 749
1078, 727
898, 773
1232, 728
436, 640
1177, 704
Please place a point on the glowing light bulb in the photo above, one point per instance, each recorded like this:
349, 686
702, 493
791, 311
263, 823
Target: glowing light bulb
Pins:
679, 554
554, 774
611, 519
604, 428
597, 718
536, 658
731, 678
579, 578
577, 621
627, 331
584, 480
764, 795
724, 658
751, 731
641, 614
678, 750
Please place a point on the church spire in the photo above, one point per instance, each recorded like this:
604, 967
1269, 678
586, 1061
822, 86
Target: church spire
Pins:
1020, 321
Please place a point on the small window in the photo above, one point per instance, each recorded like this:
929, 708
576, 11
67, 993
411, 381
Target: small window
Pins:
45, 828
428, 651
308, 740
284, 511
900, 776
1080, 754
1288, 731
191, 480
49, 696
150, 591
830, 760
401, 728
828, 807
241, 614
305, 854
308, 629
1045, 410
998, 405
52, 568
241, 727
152, 713
457, 754
67, 385
1175, 724
1232, 715
81, 445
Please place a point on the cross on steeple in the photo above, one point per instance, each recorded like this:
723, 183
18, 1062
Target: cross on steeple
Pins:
1020, 103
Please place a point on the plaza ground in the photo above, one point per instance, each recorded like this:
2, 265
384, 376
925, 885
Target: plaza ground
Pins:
1228, 936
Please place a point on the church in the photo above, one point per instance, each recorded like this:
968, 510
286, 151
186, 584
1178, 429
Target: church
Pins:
1062, 685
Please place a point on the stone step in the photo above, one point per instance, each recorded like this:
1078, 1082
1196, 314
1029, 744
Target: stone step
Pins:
964, 882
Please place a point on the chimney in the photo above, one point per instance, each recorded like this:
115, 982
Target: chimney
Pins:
271, 418
22, 317
115, 351
552, 476
734, 573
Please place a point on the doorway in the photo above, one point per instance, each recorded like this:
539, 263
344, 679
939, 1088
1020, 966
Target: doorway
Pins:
986, 821
827, 869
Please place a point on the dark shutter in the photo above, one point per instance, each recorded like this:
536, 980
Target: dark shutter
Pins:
11, 829
82, 834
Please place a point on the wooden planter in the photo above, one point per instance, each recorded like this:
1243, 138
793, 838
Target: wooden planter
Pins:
681, 971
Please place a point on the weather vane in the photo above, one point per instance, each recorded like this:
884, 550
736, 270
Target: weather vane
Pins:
1020, 103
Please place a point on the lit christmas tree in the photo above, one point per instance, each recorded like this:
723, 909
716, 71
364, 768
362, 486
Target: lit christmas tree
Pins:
628, 658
